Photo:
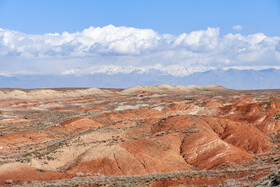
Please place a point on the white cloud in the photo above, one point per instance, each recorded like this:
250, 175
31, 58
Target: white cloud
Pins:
199, 40
237, 27
113, 49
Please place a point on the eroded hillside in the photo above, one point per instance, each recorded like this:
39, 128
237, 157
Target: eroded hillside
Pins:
147, 135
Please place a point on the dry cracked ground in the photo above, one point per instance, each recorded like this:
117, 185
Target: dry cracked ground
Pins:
141, 136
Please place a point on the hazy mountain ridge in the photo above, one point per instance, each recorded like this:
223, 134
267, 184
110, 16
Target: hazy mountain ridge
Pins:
232, 78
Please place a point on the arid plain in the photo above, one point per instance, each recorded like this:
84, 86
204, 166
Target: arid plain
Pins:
141, 136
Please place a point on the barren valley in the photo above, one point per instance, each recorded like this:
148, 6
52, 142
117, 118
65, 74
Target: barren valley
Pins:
140, 136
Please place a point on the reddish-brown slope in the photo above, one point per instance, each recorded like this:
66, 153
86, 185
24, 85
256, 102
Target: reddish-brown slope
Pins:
11, 139
17, 172
263, 115
130, 158
75, 125
176, 143
203, 149
241, 135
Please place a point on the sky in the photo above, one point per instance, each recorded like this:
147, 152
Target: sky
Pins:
176, 36
163, 16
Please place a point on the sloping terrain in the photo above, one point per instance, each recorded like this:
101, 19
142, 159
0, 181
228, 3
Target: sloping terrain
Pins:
149, 135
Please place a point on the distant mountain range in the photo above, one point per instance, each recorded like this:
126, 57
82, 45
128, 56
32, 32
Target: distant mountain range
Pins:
232, 78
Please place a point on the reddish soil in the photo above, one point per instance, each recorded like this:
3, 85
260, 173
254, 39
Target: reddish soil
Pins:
75, 125
160, 137
21, 172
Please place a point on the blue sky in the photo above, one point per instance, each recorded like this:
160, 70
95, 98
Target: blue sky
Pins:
178, 37
163, 16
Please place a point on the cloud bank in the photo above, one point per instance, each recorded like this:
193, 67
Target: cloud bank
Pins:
113, 49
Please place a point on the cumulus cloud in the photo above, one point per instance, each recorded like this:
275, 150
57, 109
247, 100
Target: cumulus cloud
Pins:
106, 40
113, 49
198, 41
237, 27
